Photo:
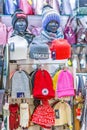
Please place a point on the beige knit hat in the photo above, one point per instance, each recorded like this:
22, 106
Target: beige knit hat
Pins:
62, 114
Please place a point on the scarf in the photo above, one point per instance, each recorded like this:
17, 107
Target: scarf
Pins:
52, 36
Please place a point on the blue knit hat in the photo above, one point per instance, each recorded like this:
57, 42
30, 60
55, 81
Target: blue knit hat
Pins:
49, 14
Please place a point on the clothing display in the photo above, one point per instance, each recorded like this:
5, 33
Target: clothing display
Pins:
43, 64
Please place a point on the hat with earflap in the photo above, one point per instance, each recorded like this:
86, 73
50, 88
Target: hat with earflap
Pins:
48, 15
19, 14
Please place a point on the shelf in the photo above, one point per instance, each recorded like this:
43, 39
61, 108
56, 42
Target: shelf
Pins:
47, 61
79, 45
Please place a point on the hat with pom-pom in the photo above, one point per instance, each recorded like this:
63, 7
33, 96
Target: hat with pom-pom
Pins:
48, 15
18, 14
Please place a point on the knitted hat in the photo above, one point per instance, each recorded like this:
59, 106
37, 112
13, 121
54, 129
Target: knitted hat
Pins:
61, 48
43, 85
44, 115
65, 86
18, 14
55, 78
38, 50
62, 114
49, 14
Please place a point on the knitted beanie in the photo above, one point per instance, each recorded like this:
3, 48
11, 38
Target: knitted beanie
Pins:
38, 50
44, 115
43, 85
18, 14
61, 48
55, 78
65, 86
49, 14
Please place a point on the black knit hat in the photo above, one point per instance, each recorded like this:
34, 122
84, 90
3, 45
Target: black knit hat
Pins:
18, 14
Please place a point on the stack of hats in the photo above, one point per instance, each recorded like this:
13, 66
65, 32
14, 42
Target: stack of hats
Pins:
38, 50
49, 14
61, 48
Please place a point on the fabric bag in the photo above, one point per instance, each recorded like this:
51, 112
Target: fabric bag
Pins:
81, 33
18, 48
43, 85
56, 5
69, 33
1, 6
3, 34
2, 93
65, 7
10, 6
84, 114
82, 7
37, 6
20, 85
26, 7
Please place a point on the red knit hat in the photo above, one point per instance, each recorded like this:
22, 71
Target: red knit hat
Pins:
44, 115
43, 85
61, 48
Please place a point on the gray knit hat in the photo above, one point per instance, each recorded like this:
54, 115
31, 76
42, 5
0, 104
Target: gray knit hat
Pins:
38, 50
49, 14
18, 14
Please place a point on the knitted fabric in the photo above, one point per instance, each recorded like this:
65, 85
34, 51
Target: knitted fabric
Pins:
49, 14
44, 115
65, 86
18, 14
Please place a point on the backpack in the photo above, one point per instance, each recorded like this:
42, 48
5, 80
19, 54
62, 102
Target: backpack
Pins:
3, 34
20, 85
43, 85
10, 6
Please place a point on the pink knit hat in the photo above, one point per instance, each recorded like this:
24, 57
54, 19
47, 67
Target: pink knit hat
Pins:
65, 85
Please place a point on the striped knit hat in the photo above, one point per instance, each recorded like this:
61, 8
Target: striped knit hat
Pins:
49, 14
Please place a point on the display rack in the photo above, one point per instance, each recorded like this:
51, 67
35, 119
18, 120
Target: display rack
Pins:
28, 62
